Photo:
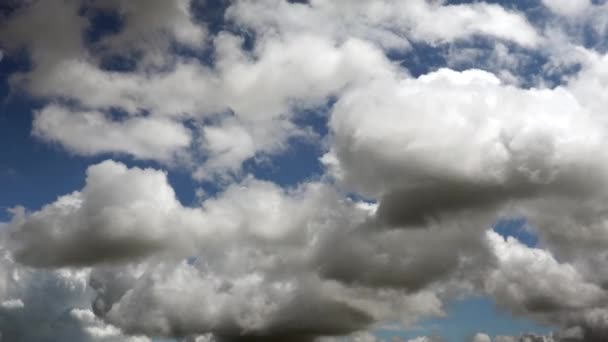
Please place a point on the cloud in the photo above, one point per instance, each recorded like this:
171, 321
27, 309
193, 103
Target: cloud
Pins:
438, 157
247, 258
567, 336
426, 339
531, 280
390, 23
568, 8
472, 151
241, 82
151, 26
401, 259
104, 222
481, 337
49, 306
124, 213
473, 155
248, 305
92, 132
240, 92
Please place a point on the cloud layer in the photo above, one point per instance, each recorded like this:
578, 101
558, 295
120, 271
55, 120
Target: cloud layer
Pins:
418, 166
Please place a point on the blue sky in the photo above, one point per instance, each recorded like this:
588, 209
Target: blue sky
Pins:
464, 317
365, 141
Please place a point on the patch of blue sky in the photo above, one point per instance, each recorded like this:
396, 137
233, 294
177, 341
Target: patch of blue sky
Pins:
479, 53
464, 318
101, 23
518, 228
300, 161
211, 13
421, 58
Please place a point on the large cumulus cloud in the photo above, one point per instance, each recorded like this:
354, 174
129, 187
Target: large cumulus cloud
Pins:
244, 263
483, 143
453, 144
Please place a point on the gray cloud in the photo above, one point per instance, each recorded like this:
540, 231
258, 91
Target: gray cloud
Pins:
49, 305
409, 259
424, 203
104, 222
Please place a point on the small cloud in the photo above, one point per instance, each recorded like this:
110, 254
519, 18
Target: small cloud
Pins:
12, 304
481, 337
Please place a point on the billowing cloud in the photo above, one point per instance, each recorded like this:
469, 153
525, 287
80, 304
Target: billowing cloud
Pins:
532, 280
248, 257
127, 213
50, 305
418, 167
472, 150
105, 221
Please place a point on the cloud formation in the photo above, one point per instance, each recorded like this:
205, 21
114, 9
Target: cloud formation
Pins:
247, 258
418, 165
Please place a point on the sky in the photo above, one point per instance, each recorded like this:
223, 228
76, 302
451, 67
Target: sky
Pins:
303, 171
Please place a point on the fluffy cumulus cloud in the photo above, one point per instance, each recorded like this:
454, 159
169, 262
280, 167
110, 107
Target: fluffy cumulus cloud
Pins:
245, 262
542, 285
430, 162
418, 164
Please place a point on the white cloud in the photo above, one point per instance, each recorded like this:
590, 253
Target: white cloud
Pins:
314, 65
483, 144
12, 304
481, 337
425, 339
390, 23
531, 280
568, 7
92, 132
126, 213
262, 101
